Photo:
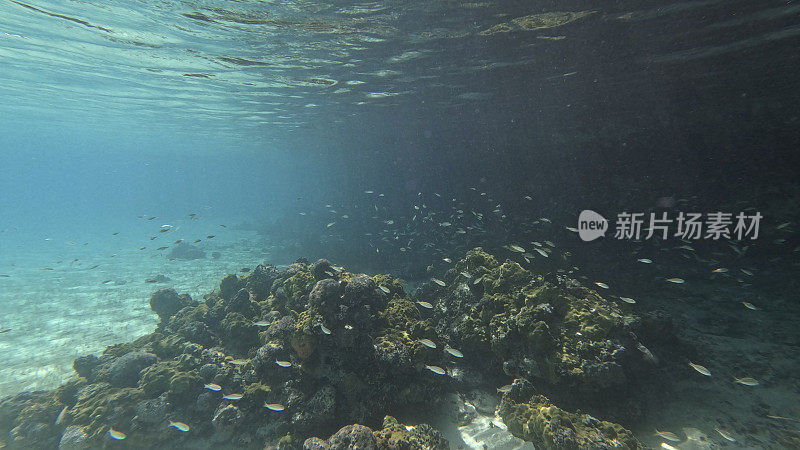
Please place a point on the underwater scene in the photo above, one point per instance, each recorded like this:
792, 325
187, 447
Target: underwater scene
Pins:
440, 224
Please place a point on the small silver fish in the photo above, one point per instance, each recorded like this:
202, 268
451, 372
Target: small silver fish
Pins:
676, 280
284, 363
213, 387
477, 281
668, 435
725, 434
425, 304
700, 369
746, 381
542, 252
324, 329
262, 323
516, 248
438, 281
466, 275
454, 352
749, 305
427, 343
628, 300
435, 369
117, 435
274, 406
232, 397
447, 260
384, 289
601, 284
179, 426
504, 389
645, 260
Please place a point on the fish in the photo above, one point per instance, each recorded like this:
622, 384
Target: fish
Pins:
454, 352
466, 275
210, 236
628, 300
237, 362
720, 270
161, 248
668, 435
645, 260
9, 276
516, 248
5, 330
700, 369
142, 248
274, 406
116, 435
666, 446
212, 387
61, 416
262, 323
179, 426
725, 434
329, 273
425, 304
330, 224
749, 305
572, 229
438, 281
601, 284
746, 381
384, 289
325, 330
232, 397
528, 197
747, 272
369, 192
504, 389
783, 225
284, 363
447, 260
427, 343
197, 240
676, 280
115, 233
542, 252
178, 241
477, 281
435, 369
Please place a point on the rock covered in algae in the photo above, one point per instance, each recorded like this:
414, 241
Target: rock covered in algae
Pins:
393, 435
326, 348
560, 334
539, 421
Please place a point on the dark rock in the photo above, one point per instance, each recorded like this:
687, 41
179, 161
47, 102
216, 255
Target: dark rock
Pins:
84, 366
319, 268
351, 437
326, 294
124, 371
226, 417
197, 332
73, 438
315, 443
166, 302
152, 410
186, 251
158, 279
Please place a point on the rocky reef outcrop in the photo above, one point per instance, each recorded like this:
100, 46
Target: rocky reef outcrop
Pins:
279, 356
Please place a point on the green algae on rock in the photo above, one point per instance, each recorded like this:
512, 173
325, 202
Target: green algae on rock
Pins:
539, 421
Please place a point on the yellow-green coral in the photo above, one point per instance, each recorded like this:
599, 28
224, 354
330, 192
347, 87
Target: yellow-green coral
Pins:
550, 427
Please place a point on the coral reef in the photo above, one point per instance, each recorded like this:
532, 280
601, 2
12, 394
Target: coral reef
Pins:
393, 435
538, 420
282, 354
